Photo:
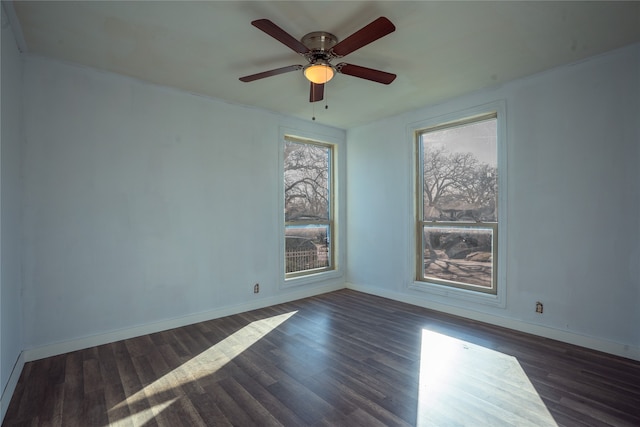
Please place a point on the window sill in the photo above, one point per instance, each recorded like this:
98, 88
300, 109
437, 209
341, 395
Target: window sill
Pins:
448, 294
311, 278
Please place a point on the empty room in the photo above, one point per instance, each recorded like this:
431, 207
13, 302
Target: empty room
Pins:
320, 213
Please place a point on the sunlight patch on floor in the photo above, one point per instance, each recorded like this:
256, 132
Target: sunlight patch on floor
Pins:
205, 363
143, 417
469, 385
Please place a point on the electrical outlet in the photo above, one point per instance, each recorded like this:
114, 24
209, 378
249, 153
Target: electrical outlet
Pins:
256, 288
539, 307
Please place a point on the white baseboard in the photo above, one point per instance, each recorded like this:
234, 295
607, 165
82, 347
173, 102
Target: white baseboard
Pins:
109, 337
7, 393
623, 350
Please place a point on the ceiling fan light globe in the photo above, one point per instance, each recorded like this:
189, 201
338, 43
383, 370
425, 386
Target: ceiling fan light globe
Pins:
319, 73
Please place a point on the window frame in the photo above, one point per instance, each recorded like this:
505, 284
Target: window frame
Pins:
441, 288
327, 275
331, 214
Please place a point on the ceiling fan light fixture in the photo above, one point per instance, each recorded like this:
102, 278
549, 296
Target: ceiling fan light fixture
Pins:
319, 72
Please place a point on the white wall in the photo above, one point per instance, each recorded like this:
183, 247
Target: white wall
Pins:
10, 212
573, 230
145, 204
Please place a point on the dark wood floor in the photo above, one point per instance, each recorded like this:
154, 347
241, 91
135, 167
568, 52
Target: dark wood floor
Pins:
343, 358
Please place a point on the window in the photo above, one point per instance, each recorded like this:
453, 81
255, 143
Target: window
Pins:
308, 207
457, 221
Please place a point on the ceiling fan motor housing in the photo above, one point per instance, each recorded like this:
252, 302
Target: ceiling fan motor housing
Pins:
319, 44
319, 41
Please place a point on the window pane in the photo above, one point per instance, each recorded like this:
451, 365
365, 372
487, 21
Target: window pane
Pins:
306, 181
306, 247
460, 179
459, 255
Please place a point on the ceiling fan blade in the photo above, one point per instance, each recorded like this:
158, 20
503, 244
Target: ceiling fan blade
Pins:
365, 73
270, 73
281, 35
316, 92
367, 34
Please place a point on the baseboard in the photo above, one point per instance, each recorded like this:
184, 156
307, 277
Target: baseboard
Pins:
7, 393
610, 347
113, 336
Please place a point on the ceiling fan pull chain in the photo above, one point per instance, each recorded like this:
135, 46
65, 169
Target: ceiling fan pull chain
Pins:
326, 97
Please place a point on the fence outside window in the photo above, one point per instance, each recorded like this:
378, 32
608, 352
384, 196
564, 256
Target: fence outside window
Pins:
300, 260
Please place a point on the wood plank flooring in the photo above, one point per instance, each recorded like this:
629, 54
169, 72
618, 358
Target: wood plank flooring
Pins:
338, 359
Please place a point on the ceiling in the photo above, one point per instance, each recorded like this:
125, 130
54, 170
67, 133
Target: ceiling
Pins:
439, 50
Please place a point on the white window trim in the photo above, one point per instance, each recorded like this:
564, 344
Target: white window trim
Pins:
339, 209
448, 294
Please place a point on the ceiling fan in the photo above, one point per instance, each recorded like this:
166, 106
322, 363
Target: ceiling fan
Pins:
320, 48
